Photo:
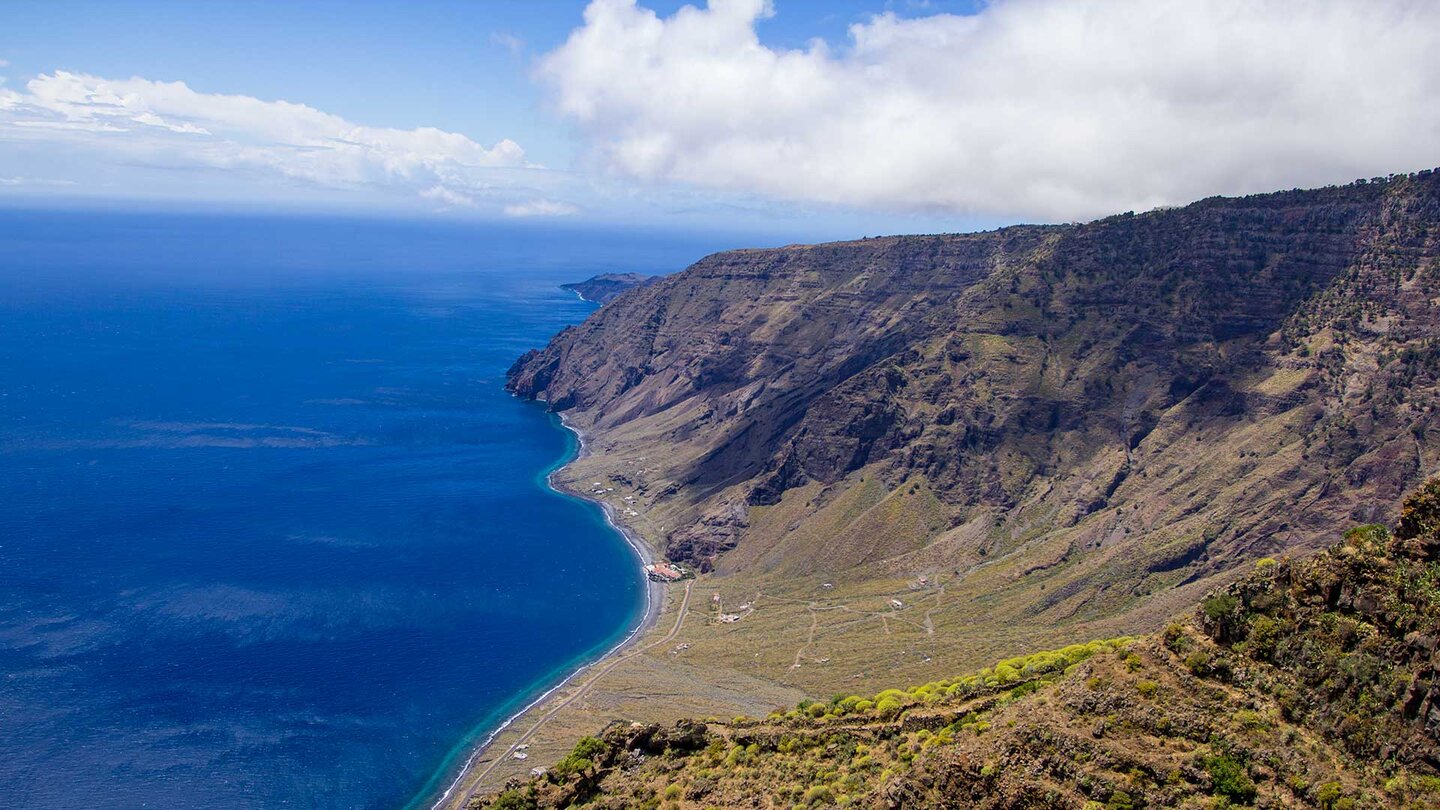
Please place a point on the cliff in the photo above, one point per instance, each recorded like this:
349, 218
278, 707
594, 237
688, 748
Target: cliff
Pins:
1309, 683
603, 289
1093, 415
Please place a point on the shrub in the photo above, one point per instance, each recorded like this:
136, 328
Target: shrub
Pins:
889, 706
1120, 800
1371, 537
581, 757
1229, 779
588, 747
1219, 606
1006, 674
819, 794
897, 695
1264, 635
1023, 689
515, 799
1198, 662
1146, 687
1250, 720
1425, 784
1175, 637
672, 793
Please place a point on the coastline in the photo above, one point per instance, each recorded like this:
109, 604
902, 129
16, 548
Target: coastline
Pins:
468, 782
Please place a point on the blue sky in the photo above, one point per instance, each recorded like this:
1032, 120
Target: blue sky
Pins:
451, 64
861, 115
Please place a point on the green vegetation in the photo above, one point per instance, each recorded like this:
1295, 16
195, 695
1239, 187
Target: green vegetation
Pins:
582, 758
1229, 779
1023, 675
1306, 684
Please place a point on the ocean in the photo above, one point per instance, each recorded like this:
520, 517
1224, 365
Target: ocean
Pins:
273, 534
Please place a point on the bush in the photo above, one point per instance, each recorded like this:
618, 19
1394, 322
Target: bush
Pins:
1120, 800
889, 706
1219, 606
1229, 779
1175, 637
1006, 674
1198, 662
1264, 635
588, 748
819, 794
515, 799
1373, 538
1250, 720
1023, 689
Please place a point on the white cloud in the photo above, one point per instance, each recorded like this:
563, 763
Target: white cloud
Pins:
33, 181
169, 125
541, 208
515, 45
1049, 108
448, 196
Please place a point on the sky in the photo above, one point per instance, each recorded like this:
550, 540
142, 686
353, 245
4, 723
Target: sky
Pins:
844, 117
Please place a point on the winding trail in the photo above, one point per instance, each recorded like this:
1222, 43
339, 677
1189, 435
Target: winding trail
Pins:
469, 792
810, 639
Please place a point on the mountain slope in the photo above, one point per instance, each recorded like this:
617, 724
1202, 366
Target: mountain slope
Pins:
1309, 683
1090, 415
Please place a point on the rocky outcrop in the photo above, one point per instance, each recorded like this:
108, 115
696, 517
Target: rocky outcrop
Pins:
602, 289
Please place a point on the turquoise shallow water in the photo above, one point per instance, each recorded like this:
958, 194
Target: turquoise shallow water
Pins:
273, 534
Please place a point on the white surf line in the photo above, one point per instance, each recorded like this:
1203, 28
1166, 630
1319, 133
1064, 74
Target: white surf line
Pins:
647, 618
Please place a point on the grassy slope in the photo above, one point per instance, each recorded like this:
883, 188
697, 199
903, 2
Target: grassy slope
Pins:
1308, 683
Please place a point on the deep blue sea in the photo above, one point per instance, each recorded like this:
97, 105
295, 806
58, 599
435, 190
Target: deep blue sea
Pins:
272, 534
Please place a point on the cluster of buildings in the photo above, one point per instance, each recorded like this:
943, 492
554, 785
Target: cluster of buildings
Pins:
664, 572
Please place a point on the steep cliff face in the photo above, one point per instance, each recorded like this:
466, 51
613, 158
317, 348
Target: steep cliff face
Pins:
1112, 408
